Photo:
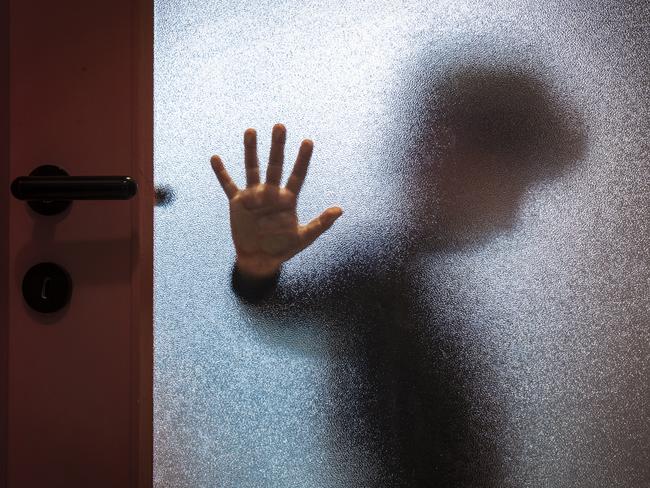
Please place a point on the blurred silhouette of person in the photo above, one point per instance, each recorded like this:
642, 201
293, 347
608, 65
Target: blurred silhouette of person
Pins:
488, 134
485, 136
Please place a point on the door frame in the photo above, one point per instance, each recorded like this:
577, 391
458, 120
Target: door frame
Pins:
4, 230
142, 45
4, 242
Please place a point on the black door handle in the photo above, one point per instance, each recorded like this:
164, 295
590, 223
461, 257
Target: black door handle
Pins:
49, 189
73, 188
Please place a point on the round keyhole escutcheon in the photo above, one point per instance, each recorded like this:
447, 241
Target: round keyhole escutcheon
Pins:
47, 287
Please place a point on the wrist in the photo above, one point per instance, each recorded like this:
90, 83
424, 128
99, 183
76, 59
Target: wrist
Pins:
254, 283
256, 270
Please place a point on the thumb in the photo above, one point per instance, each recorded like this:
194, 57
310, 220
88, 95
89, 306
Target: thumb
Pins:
313, 230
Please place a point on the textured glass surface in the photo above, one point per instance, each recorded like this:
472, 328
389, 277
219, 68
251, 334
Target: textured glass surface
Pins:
479, 315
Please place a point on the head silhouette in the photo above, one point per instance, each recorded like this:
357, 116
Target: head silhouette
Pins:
484, 135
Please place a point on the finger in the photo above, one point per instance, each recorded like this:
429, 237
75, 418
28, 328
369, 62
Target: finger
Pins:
227, 184
250, 158
299, 171
276, 158
313, 230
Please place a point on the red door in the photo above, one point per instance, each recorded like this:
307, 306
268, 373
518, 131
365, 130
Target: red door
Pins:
76, 383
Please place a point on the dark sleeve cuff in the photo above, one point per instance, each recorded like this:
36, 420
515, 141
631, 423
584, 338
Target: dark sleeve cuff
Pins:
253, 290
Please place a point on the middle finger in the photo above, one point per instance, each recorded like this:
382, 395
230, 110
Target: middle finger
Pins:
250, 158
276, 158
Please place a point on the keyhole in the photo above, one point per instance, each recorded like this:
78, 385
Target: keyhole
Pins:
44, 287
47, 287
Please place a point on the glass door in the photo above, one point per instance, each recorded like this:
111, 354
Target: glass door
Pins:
479, 314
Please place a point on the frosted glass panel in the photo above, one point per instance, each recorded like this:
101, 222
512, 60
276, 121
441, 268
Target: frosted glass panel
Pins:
479, 314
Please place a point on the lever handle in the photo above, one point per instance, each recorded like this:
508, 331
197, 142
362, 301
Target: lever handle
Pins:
49, 190
40, 188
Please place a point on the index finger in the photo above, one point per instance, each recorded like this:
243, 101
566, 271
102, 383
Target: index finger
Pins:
227, 184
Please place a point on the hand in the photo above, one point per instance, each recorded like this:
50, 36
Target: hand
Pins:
263, 218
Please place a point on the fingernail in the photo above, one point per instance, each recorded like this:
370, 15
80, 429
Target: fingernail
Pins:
278, 136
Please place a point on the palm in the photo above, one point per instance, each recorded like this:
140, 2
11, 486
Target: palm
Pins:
263, 217
264, 223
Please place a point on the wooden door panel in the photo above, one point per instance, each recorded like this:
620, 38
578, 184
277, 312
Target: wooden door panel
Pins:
79, 379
